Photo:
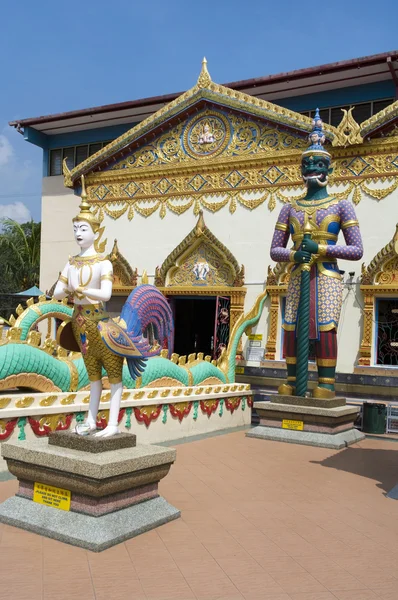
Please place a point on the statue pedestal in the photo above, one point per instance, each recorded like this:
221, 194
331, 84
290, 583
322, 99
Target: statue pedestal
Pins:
86, 491
309, 421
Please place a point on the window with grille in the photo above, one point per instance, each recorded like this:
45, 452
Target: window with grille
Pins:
361, 112
74, 156
387, 332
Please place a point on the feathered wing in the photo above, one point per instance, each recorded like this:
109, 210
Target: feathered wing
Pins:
145, 307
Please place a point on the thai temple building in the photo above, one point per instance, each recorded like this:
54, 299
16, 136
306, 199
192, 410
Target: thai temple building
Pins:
189, 187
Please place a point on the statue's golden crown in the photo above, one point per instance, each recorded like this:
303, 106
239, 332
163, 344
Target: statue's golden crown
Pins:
85, 213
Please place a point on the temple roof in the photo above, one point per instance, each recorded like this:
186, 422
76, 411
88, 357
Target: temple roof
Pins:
205, 93
320, 78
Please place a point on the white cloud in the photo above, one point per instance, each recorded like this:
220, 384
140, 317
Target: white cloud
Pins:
6, 150
17, 211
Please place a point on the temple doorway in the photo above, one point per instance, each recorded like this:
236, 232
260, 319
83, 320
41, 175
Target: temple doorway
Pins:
201, 324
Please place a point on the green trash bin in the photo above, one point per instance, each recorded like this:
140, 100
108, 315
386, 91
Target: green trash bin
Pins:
374, 417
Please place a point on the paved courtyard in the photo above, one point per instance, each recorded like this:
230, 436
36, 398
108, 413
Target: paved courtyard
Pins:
260, 520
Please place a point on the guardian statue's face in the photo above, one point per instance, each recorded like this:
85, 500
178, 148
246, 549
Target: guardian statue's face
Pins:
84, 234
315, 170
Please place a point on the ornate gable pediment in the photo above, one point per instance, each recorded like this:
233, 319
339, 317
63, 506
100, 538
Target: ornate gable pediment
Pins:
212, 133
200, 260
383, 268
257, 126
124, 277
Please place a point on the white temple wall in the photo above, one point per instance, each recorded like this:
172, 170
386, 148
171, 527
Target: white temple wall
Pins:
146, 242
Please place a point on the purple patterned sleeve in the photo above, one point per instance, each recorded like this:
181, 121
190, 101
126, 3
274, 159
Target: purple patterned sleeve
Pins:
279, 252
352, 235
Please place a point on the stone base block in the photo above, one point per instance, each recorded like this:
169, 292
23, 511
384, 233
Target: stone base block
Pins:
90, 443
335, 441
87, 492
90, 505
328, 424
90, 532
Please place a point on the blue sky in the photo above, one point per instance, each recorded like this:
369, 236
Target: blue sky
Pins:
60, 56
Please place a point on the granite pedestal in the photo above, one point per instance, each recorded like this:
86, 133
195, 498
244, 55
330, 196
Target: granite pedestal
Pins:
309, 421
108, 486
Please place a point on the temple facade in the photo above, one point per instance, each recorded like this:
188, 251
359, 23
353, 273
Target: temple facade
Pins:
188, 188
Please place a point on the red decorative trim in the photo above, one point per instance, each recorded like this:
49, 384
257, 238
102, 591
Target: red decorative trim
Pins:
232, 404
103, 417
250, 401
41, 428
209, 406
180, 410
6, 428
147, 414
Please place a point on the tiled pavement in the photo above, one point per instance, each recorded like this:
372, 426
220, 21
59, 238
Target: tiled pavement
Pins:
260, 520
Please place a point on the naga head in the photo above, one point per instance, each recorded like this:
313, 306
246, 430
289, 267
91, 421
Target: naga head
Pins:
315, 162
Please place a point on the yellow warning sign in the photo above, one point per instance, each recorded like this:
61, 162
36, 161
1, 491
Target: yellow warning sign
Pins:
256, 336
290, 424
239, 370
51, 496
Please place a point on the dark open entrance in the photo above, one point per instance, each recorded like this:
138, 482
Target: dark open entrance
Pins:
194, 319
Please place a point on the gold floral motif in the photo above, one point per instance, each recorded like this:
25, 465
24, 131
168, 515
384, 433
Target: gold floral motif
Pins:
53, 421
4, 402
24, 402
348, 130
68, 400
48, 401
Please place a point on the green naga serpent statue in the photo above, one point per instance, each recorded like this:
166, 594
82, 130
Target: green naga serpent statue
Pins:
51, 368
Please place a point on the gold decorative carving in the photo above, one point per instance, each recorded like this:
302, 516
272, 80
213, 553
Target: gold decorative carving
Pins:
207, 134
124, 278
53, 421
348, 130
68, 400
386, 115
157, 166
276, 285
211, 93
24, 402
249, 184
48, 401
184, 266
204, 79
4, 402
29, 380
165, 382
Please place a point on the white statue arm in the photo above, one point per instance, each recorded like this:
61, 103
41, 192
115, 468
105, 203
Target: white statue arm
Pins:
61, 289
104, 293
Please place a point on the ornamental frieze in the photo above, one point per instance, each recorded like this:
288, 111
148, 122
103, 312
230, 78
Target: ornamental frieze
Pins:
220, 182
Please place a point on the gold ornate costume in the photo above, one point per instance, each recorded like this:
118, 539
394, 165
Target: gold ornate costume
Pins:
95, 353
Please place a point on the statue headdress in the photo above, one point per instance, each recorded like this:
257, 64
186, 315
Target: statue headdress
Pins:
316, 139
86, 215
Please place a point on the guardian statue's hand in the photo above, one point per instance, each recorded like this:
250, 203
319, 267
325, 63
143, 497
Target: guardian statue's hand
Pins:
302, 257
309, 246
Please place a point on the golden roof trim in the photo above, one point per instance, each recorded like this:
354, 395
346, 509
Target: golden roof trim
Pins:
383, 116
122, 270
376, 265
